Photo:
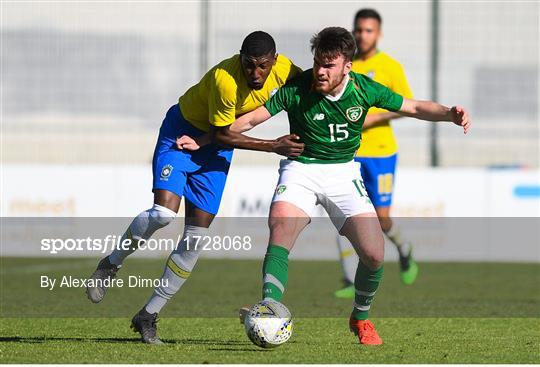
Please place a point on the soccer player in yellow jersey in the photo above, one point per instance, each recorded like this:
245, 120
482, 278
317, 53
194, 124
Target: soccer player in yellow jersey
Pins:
378, 152
231, 88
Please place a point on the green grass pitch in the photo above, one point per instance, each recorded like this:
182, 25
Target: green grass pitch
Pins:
455, 313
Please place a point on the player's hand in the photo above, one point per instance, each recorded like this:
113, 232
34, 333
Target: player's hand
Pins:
460, 117
288, 146
187, 143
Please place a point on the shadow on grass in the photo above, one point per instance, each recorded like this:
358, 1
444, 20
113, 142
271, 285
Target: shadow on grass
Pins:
254, 349
44, 339
210, 342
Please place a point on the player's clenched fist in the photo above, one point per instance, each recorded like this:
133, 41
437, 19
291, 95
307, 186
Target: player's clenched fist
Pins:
460, 117
187, 143
288, 146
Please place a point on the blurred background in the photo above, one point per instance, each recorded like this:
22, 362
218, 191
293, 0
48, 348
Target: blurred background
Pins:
85, 86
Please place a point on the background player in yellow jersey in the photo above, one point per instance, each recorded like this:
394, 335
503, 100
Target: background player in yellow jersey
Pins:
378, 151
231, 88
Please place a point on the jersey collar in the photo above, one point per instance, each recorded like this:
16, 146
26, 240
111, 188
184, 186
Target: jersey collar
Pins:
340, 94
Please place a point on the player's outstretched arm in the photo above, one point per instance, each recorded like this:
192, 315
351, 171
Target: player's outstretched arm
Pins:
232, 136
432, 111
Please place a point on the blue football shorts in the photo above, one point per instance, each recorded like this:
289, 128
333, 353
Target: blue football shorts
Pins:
198, 176
378, 175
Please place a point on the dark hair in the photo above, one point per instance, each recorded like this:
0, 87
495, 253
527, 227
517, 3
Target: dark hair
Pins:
332, 42
367, 14
257, 44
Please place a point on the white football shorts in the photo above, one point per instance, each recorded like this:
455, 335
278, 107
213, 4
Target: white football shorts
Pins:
338, 187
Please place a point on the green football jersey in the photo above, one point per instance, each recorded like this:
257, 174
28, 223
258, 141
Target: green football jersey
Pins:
330, 130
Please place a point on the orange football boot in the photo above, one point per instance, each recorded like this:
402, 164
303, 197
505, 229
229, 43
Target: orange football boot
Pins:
365, 330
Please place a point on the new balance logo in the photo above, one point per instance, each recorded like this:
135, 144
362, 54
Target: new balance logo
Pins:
318, 117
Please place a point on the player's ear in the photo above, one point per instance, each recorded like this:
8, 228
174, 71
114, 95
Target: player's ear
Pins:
348, 67
275, 59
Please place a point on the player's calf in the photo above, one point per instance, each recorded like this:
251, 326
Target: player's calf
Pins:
179, 266
275, 272
365, 235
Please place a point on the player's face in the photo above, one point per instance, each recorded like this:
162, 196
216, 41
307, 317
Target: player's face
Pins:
328, 74
257, 69
366, 32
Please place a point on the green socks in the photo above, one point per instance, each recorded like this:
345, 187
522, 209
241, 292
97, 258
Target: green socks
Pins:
275, 272
366, 283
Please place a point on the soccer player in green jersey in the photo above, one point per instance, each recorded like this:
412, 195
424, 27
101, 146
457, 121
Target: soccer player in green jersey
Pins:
326, 107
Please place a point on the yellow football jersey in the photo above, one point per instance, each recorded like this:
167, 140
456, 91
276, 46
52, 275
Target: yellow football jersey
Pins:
223, 93
379, 141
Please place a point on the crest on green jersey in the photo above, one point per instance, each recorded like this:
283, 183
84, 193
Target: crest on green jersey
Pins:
354, 113
280, 189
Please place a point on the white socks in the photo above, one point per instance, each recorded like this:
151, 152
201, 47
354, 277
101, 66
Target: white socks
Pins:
348, 258
403, 247
179, 266
142, 227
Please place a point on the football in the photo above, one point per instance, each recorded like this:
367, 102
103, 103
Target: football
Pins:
268, 324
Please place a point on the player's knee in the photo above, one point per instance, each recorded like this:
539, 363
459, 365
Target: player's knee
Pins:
373, 259
374, 262
160, 216
149, 221
282, 227
377, 261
